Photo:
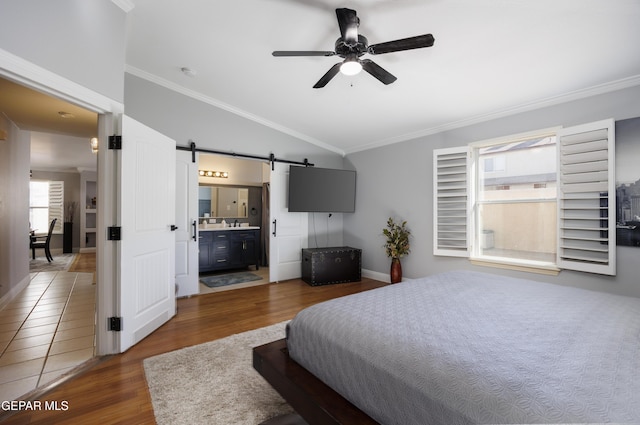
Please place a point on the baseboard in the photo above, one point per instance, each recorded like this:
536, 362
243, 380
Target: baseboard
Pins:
383, 277
9, 296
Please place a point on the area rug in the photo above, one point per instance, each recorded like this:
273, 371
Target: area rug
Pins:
228, 279
61, 262
214, 382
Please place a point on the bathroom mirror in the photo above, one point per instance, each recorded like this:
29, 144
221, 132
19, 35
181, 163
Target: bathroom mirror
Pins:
223, 201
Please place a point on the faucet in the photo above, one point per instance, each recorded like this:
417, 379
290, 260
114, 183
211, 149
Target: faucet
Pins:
235, 223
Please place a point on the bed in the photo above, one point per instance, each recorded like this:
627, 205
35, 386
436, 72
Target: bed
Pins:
462, 347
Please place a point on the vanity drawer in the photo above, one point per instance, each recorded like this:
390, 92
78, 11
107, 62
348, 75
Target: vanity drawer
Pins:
220, 245
244, 234
220, 248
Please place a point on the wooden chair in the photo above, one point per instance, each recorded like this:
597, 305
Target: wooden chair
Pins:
43, 241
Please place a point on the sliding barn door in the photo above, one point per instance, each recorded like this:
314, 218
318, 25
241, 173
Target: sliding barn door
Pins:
187, 224
288, 231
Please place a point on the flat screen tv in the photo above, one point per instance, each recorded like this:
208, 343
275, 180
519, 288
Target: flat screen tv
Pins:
314, 189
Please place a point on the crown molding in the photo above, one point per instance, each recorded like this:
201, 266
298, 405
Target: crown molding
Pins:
125, 5
525, 107
225, 106
612, 86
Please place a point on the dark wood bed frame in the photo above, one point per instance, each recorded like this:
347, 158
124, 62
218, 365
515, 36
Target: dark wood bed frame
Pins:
311, 398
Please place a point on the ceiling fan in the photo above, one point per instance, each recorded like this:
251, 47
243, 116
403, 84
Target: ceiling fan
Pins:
351, 46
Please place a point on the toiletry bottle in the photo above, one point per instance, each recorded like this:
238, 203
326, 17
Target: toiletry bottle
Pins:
224, 223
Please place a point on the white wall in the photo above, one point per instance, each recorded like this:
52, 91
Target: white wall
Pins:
408, 193
83, 41
14, 207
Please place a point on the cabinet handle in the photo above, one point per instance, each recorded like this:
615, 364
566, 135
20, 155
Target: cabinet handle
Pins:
274, 226
195, 230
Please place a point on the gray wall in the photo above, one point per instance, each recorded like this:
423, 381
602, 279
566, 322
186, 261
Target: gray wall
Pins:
405, 191
183, 118
83, 41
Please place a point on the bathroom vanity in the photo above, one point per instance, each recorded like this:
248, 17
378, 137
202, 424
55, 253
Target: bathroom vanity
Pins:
229, 248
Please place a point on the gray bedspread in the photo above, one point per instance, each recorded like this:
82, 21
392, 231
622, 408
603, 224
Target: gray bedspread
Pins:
466, 347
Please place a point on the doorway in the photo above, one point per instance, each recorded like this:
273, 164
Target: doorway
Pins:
49, 326
235, 200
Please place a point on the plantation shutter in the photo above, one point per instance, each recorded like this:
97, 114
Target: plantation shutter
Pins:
450, 214
586, 198
56, 204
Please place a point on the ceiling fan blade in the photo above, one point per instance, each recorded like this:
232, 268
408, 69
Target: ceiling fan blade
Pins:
328, 76
348, 22
377, 71
284, 53
410, 43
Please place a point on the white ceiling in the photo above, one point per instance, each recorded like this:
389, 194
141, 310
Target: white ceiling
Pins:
57, 152
491, 58
60, 131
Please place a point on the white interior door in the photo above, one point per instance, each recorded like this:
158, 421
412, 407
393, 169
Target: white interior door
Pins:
289, 231
187, 222
146, 281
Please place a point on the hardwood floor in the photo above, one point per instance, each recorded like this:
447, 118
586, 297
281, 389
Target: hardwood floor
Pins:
114, 391
84, 262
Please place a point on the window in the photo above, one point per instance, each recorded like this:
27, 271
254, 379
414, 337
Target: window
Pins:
493, 162
538, 200
512, 220
45, 204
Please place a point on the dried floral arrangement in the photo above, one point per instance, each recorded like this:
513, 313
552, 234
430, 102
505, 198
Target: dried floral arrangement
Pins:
397, 244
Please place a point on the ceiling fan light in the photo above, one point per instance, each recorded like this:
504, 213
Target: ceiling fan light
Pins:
351, 67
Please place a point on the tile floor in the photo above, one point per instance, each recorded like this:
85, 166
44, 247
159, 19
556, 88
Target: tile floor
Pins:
47, 330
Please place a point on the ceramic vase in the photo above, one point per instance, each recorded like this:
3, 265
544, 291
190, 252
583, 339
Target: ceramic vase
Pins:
396, 270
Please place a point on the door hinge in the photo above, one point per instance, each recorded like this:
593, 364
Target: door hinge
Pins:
115, 142
114, 233
115, 324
